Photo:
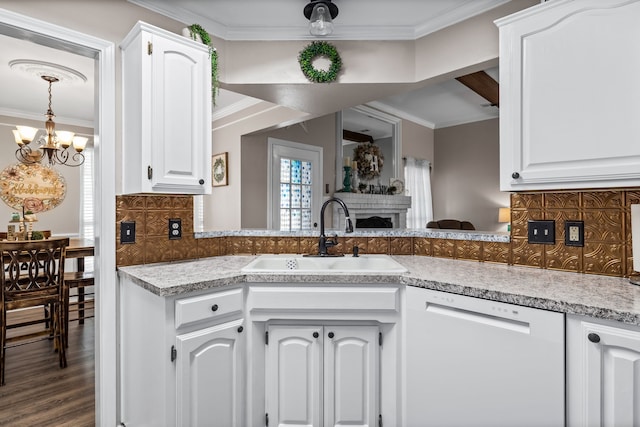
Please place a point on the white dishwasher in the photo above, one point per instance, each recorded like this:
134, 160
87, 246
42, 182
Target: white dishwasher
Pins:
472, 362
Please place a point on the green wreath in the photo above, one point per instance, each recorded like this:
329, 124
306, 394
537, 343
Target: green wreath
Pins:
370, 160
313, 51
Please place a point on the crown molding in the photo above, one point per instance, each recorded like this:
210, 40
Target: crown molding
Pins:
301, 32
386, 108
219, 113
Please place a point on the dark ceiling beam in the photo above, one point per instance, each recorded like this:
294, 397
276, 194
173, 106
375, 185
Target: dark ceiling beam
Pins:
356, 136
484, 85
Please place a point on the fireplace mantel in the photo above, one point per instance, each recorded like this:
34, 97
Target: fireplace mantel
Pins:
361, 206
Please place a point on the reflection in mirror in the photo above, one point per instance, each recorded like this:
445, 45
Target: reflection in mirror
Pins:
364, 125
464, 154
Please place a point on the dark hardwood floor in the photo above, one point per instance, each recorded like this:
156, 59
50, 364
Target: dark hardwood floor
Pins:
38, 393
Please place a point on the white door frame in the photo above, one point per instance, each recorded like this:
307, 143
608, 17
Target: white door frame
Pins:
277, 147
106, 348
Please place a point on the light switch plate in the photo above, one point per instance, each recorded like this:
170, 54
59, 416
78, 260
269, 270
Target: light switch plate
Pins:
127, 232
541, 231
574, 233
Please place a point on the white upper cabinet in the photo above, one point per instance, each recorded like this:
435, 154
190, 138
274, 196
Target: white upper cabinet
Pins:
570, 96
166, 92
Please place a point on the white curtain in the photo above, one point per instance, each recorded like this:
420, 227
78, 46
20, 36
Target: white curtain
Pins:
418, 184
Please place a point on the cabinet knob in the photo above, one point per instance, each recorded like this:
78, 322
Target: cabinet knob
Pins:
214, 307
240, 329
316, 335
201, 181
595, 338
515, 175
331, 335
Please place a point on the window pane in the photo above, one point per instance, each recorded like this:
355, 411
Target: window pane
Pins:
306, 219
306, 173
296, 221
306, 196
285, 224
285, 196
296, 171
296, 195
285, 170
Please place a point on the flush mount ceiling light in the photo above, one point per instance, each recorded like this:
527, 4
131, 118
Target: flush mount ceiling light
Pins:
320, 14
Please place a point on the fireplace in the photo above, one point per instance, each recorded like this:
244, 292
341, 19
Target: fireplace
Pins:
392, 209
374, 222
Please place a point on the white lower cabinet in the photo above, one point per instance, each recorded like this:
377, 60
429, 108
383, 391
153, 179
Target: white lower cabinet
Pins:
182, 358
210, 375
603, 367
327, 356
322, 375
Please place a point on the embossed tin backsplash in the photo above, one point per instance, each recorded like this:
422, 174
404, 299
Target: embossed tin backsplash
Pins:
606, 215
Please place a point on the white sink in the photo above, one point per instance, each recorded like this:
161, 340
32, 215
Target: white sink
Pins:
294, 263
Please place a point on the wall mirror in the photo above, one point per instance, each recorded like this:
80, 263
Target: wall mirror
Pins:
362, 125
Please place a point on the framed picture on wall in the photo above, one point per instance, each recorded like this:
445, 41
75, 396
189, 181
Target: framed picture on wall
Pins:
220, 170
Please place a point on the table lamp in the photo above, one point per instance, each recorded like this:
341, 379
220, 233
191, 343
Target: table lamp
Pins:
504, 215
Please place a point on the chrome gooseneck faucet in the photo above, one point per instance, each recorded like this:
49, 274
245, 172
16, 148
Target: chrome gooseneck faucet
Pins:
325, 243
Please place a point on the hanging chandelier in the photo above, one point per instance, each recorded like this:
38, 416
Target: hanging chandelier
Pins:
54, 147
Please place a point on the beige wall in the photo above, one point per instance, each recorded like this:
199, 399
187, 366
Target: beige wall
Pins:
417, 141
466, 182
222, 209
319, 132
65, 218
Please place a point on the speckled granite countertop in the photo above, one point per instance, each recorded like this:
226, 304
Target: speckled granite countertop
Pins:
602, 297
485, 236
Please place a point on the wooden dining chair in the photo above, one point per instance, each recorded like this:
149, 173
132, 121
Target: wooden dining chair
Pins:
84, 299
39, 284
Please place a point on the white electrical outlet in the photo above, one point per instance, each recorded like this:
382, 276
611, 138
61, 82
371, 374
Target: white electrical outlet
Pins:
574, 233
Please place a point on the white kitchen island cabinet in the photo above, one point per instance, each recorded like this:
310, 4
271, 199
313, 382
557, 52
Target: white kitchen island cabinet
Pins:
166, 116
182, 358
323, 376
603, 367
569, 96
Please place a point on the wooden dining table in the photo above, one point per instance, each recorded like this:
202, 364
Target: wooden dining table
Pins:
80, 248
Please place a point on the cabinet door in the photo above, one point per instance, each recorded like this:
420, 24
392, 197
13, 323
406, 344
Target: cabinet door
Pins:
351, 375
210, 376
604, 374
568, 96
294, 376
180, 107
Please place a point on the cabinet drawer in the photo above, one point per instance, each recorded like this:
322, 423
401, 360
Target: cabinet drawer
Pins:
381, 299
210, 306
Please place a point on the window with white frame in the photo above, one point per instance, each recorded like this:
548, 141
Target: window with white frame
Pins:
87, 215
295, 189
